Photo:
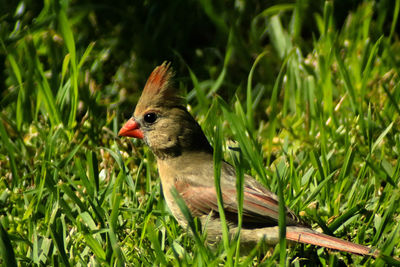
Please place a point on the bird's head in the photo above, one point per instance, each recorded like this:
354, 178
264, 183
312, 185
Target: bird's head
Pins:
161, 119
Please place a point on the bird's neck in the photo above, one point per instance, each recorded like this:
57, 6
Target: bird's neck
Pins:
198, 145
183, 163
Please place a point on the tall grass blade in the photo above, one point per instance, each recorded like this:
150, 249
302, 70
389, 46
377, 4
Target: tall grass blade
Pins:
57, 234
217, 158
229, 50
6, 248
70, 43
281, 222
249, 97
21, 91
240, 197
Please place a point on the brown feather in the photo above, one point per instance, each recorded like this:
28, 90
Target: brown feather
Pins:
258, 210
308, 236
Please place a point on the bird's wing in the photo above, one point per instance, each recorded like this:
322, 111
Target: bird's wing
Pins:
260, 210
260, 206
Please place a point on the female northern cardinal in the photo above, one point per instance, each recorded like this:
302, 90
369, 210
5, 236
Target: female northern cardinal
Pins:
185, 162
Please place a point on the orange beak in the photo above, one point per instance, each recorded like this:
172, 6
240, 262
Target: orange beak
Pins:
131, 129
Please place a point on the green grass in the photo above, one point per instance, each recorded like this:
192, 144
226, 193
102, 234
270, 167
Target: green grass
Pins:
310, 100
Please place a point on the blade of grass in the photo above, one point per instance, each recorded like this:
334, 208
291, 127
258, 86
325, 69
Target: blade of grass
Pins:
339, 221
114, 242
249, 98
279, 37
95, 246
217, 158
389, 211
66, 32
151, 232
81, 173
201, 97
391, 97
388, 246
281, 222
318, 189
229, 50
57, 234
379, 140
7, 251
240, 197
241, 135
394, 20
21, 91
347, 81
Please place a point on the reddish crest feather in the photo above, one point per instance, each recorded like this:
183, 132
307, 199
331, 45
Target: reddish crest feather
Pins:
159, 78
158, 91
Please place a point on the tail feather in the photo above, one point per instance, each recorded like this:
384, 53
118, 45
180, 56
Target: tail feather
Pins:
308, 236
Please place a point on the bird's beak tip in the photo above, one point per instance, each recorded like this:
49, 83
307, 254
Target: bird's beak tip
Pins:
131, 129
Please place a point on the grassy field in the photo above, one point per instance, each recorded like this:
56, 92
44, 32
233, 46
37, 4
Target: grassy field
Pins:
309, 90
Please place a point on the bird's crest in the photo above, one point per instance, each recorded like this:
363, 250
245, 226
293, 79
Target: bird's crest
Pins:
158, 91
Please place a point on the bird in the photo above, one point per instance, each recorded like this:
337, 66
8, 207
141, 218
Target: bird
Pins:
185, 165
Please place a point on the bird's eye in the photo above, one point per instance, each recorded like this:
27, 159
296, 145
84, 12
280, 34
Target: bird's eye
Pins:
150, 117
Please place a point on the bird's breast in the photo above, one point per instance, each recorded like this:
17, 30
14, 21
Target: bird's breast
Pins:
167, 177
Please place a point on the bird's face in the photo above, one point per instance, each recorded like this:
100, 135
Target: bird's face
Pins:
162, 131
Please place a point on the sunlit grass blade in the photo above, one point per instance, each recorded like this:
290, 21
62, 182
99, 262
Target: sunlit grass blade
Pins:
249, 95
88, 221
328, 12
314, 157
389, 211
347, 82
392, 98
151, 232
318, 189
86, 54
114, 242
47, 95
229, 50
67, 159
347, 163
381, 137
345, 216
21, 91
83, 177
116, 200
96, 247
240, 197
370, 64
281, 222
217, 158
70, 44
279, 37
391, 243
200, 95
246, 143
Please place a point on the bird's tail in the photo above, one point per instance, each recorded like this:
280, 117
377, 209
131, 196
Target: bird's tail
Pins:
309, 236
